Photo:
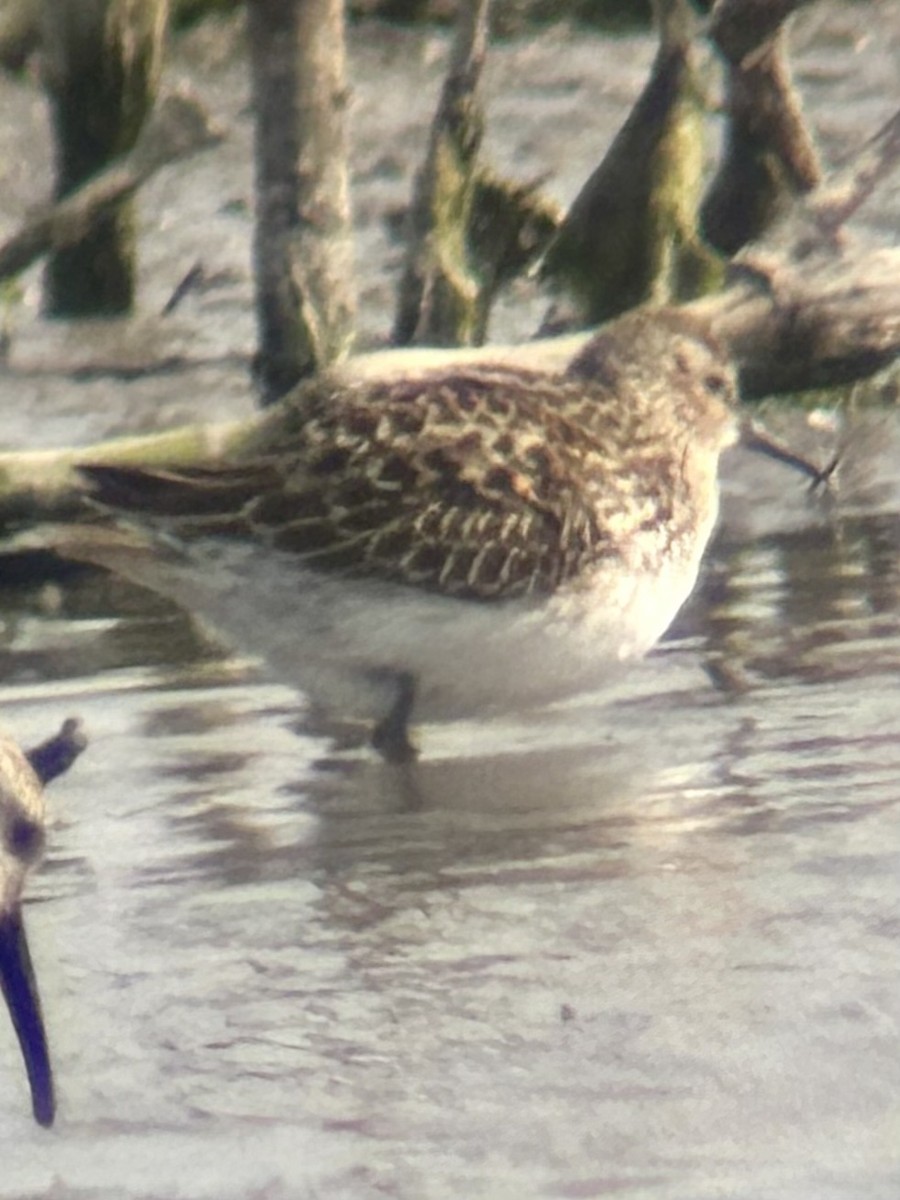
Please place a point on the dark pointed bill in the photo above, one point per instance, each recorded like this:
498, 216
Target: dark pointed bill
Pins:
755, 438
20, 990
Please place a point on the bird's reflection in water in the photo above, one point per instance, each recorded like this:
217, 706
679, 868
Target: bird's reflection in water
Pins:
481, 801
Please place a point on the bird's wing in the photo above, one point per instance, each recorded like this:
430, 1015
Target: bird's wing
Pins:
469, 485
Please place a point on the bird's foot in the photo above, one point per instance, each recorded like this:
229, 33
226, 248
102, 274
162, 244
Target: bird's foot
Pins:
390, 737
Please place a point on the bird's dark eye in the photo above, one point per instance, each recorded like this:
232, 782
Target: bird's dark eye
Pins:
24, 838
716, 383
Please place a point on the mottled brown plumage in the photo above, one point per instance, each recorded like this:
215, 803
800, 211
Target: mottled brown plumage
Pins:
488, 483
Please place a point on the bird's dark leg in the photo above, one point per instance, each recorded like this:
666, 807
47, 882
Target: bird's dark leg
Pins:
390, 737
19, 988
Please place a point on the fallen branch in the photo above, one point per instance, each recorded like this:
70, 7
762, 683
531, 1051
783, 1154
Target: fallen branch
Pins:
806, 308
43, 483
178, 127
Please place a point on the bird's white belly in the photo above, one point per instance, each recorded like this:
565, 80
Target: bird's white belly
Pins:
337, 639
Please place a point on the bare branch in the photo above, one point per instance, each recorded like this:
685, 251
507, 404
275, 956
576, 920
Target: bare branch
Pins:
177, 128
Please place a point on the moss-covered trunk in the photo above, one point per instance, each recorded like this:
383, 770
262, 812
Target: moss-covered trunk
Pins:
438, 302
631, 233
101, 68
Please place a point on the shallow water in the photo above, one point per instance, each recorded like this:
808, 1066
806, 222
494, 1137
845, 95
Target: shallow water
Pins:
645, 943
642, 944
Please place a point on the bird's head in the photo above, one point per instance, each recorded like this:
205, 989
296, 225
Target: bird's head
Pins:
670, 367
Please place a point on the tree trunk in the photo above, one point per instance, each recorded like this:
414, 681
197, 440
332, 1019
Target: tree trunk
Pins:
769, 153
438, 302
303, 246
102, 61
631, 233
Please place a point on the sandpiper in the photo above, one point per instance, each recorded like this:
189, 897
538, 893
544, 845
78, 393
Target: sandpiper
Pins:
22, 818
21, 845
461, 541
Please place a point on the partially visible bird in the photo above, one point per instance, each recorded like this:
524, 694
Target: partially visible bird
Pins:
21, 845
452, 543
22, 836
